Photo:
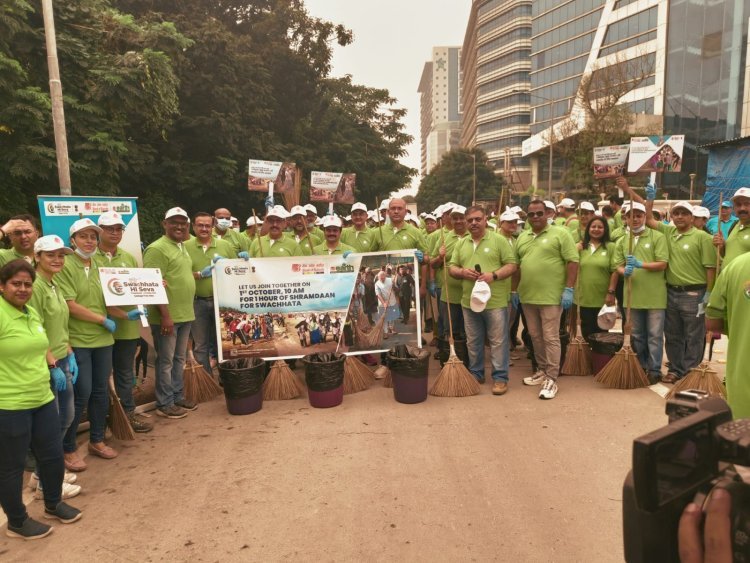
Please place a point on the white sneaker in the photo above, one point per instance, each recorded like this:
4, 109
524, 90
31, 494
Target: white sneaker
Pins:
549, 389
68, 491
69, 477
536, 379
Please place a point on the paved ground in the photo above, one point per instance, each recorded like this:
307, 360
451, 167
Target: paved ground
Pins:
483, 478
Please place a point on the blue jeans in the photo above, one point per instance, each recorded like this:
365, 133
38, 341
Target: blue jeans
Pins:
204, 332
493, 324
684, 330
170, 363
92, 391
123, 368
65, 399
648, 338
457, 319
40, 429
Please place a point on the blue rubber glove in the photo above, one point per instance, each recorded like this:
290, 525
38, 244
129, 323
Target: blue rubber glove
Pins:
628, 271
268, 202
206, 272
135, 314
73, 366
650, 192
59, 379
432, 287
217, 258
706, 297
567, 298
244, 255
109, 324
346, 254
631, 260
420, 256
515, 299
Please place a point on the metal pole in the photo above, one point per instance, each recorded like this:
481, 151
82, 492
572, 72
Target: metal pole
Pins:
692, 184
55, 90
474, 182
551, 133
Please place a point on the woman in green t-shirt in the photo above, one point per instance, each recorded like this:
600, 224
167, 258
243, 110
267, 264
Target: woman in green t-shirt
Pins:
596, 263
28, 414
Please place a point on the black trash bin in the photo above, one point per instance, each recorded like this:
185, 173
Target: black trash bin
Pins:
242, 380
409, 367
459, 343
604, 346
324, 376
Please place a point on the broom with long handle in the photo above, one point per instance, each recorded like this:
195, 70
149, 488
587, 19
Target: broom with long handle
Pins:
118, 418
578, 354
624, 371
380, 226
704, 377
454, 379
200, 386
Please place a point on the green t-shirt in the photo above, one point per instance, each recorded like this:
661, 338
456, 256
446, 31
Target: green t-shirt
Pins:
434, 241
689, 255
572, 225
492, 252
126, 330
730, 300
24, 377
619, 224
559, 221
649, 289
201, 256
235, 240
10, 254
176, 267
283, 247
322, 249
617, 233
361, 241
594, 270
81, 284
306, 246
737, 243
543, 260
455, 286
48, 301
405, 238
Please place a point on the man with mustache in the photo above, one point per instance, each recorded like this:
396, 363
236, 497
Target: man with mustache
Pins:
738, 241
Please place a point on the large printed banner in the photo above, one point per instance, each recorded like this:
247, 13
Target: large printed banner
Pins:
261, 172
656, 154
609, 162
291, 307
58, 213
333, 187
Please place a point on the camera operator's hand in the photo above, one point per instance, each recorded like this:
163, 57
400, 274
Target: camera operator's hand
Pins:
715, 544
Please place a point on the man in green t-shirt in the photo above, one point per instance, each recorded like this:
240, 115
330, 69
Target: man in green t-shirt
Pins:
223, 230
737, 242
332, 231
312, 221
482, 260
648, 297
204, 250
21, 231
275, 244
306, 240
253, 226
547, 268
728, 311
128, 331
359, 236
451, 289
170, 324
435, 262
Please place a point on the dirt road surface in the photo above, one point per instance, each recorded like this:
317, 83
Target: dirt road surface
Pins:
483, 478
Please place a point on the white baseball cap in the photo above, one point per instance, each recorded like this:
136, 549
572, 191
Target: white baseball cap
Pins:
278, 211
318, 221
549, 205
509, 215
50, 243
384, 204
607, 317
429, 217
480, 294
567, 203
348, 218
742, 192
311, 208
371, 214
637, 205
359, 206
82, 225
699, 211
253, 220
458, 209
177, 212
109, 219
516, 209
587, 206
298, 210
331, 221
684, 205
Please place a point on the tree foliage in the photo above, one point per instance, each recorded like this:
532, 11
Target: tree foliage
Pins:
452, 179
167, 100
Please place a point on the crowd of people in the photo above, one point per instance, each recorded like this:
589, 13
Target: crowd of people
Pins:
59, 342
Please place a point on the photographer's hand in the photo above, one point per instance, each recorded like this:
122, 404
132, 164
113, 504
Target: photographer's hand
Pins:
716, 544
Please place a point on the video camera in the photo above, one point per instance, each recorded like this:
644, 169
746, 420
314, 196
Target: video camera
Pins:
682, 463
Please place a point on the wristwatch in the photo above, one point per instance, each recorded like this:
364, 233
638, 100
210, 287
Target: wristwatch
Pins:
611, 291
51, 366
494, 276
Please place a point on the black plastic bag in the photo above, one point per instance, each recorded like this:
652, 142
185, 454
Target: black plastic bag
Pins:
243, 377
409, 361
606, 343
324, 372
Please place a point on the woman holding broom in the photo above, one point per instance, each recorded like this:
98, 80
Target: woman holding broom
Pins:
28, 414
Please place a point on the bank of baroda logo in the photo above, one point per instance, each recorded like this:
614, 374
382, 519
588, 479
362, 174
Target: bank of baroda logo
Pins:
115, 287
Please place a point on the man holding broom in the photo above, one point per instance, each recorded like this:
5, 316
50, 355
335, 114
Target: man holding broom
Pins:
453, 296
359, 236
275, 244
306, 240
332, 231
547, 269
484, 257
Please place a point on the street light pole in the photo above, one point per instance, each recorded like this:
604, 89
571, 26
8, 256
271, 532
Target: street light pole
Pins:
55, 90
474, 181
551, 133
692, 184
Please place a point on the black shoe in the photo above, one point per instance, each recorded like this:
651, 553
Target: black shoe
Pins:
185, 404
64, 513
29, 530
172, 411
481, 379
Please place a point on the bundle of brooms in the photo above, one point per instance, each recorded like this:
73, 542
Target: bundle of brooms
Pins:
578, 354
200, 386
357, 375
454, 379
119, 422
281, 383
624, 371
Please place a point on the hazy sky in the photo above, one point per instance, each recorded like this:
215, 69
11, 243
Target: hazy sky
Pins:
392, 41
